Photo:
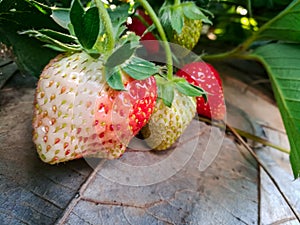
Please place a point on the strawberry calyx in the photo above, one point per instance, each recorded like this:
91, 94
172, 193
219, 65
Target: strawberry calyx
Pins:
166, 89
99, 31
167, 83
173, 16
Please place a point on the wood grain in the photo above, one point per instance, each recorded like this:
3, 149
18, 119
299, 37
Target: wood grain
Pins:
31, 192
225, 193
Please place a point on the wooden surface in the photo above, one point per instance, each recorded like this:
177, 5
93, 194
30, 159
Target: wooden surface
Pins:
230, 188
31, 192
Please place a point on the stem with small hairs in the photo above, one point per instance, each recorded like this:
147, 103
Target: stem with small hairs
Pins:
163, 36
107, 24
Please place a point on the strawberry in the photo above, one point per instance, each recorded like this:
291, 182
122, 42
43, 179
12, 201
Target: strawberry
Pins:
139, 24
91, 100
206, 76
78, 114
168, 123
183, 24
190, 34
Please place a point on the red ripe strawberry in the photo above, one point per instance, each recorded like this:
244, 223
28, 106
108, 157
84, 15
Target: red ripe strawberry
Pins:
205, 76
140, 22
77, 114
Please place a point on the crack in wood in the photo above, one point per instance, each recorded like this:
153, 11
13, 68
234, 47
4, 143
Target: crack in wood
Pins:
37, 210
58, 183
285, 220
161, 219
74, 202
115, 203
75, 170
46, 199
263, 167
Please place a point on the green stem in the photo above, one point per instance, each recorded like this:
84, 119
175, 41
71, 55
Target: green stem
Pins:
238, 52
177, 2
249, 6
247, 135
107, 24
163, 36
261, 140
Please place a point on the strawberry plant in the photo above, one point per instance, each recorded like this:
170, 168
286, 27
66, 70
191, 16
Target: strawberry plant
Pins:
94, 96
88, 101
183, 22
93, 37
139, 24
275, 44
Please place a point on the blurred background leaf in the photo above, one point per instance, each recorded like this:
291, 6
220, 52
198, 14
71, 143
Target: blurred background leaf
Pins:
19, 15
234, 20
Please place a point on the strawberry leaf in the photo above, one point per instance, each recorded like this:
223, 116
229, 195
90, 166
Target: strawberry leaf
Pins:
61, 16
192, 11
114, 78
53, 43
91, 27
177, 19
165, 90
120, 55
285, 26
140, 69
62, 37
281, 61
76, 16
20, 15
172, 16
188, 89
86, 25
165, 18
166, 93
118, 17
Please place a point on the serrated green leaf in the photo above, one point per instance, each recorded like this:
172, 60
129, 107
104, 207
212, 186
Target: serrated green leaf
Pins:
177, 19
192, 11
187, 89
149, 29
165, 90
131, 39
53, 42
62, 37
86, 25
76, 18
61, 16
119, 14
55, 47
114, 78
91, 23
118, 17
120, 55
20, 15
285, 26
40, 6
165, 19
282, 63
139, 69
